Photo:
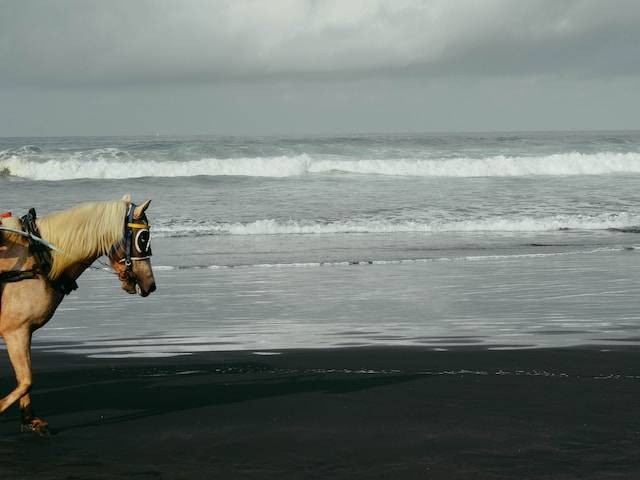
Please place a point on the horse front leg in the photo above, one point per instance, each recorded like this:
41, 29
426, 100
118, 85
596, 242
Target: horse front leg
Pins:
19, 349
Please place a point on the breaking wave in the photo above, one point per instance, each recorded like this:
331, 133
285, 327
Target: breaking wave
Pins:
621, 221
110, 163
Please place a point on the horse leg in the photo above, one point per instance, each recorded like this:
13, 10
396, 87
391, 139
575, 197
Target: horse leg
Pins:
18, 343
18, 346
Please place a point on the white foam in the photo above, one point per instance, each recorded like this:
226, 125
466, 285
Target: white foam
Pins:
497, 224
113, 164
110, 168
573, 163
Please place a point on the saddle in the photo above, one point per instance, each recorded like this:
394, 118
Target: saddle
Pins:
40, 252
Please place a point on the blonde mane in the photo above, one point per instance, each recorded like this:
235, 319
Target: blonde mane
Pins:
83, 233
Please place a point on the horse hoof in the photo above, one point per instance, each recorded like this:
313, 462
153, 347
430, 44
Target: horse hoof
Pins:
39, 427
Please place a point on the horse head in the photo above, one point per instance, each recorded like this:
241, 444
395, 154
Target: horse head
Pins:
131, 258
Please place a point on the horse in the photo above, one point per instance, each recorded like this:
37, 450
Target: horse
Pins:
82, 234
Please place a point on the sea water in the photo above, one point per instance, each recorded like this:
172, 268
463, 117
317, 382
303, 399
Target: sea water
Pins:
496, 240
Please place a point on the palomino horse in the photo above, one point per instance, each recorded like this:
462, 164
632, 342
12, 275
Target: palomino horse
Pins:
82, 234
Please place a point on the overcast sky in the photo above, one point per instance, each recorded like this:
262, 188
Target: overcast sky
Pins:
83, 67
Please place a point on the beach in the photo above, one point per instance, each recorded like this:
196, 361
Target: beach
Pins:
320, 240
456, 306
334, 413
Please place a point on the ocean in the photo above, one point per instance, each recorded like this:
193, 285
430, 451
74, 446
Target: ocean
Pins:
484, 240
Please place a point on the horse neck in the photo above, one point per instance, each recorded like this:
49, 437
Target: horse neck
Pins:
75, 269
83, 236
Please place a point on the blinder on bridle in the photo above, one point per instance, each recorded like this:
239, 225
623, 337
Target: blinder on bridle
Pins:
137, 240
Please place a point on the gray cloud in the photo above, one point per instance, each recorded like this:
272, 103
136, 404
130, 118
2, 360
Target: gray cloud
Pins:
123, 42
89, 67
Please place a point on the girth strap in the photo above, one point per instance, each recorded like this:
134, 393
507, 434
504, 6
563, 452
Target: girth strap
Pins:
17, 275
39, 251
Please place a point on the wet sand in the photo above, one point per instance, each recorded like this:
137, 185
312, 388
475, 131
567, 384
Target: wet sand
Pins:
345, 413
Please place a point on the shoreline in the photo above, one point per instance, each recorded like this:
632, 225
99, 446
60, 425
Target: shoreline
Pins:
384, 412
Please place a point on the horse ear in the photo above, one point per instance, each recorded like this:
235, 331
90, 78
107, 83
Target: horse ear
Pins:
139, 211
127, 198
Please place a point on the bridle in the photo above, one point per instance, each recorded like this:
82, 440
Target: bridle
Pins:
136, 242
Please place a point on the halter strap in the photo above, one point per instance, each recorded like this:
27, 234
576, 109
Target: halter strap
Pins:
128, 234
129, 225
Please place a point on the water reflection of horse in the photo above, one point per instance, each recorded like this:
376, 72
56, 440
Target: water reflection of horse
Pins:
84, 233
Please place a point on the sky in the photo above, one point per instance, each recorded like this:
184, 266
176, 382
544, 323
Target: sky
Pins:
277, 67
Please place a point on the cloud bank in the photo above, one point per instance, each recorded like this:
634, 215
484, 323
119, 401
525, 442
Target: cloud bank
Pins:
122, 42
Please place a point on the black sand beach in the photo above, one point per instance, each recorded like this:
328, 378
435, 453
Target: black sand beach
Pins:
347, 413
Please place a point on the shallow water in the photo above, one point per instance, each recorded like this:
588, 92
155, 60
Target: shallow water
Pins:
537, 300
490, 240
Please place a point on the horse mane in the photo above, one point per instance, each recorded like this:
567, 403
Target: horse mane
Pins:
82, 233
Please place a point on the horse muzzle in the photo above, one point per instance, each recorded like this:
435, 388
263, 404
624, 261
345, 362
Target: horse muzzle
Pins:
145, 292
